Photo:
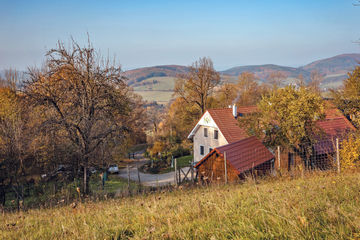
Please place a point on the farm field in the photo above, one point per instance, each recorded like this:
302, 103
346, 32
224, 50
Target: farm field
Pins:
156, 83
161, 97
318, 206
159, 89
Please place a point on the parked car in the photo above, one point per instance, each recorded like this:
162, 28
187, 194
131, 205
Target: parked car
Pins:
92, 170
113, 169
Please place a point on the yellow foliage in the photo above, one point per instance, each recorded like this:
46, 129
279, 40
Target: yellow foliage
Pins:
350, 153
157, 148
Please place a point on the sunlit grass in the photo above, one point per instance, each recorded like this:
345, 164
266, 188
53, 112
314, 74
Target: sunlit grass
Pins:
316, 207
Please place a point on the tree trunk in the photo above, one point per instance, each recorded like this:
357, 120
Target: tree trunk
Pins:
2, 196
86, 180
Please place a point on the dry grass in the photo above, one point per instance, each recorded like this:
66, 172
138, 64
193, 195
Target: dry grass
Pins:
316, 207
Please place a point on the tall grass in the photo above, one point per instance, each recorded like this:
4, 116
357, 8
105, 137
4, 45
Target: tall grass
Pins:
316, 207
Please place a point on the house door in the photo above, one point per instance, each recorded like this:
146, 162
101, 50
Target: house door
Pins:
291, 160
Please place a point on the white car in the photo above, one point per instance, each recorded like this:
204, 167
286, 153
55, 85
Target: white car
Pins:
113, 169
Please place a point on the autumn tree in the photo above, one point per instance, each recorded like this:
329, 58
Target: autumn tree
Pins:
276, 79
197, 85
350, 152
316, 79
288, 115
347, 98
248, 90
300, 80
226, 94
14, 137
83, 95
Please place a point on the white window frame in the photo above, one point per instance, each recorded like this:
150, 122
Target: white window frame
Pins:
203, 152
215, 130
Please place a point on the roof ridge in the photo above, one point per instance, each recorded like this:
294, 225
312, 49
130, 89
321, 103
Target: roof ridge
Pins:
233, 143
219, 109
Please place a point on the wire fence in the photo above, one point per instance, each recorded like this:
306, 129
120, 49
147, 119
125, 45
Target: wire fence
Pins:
322, 155
230, 165
235, 165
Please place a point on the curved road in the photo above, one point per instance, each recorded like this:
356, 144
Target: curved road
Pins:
147, 179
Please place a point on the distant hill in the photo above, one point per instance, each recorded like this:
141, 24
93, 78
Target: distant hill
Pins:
341, 64
141, 74
156, 83
263, 71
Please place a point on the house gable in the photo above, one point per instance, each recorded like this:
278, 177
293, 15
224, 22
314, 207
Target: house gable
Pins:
205, 120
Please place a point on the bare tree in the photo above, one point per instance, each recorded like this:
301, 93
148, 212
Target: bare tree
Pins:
196, 86
13, 137
249, 91
316, 79
84, 95
275, 79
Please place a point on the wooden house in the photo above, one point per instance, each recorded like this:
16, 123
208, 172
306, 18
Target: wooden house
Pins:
233, 161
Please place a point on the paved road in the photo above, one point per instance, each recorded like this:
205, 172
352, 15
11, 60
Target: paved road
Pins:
147, 179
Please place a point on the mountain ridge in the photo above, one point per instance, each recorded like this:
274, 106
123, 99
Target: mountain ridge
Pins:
156, 83
336, 65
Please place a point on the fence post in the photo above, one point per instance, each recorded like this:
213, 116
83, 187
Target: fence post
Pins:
175, 172
225, 167
128, 173
337, 155
192, 170
138, 172
279, 158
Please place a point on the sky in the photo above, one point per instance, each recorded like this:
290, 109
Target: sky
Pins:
148, 33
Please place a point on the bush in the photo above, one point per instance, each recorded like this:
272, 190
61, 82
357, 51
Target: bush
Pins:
350, 152
179, 151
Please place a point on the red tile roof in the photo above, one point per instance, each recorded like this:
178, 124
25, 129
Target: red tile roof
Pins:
247, 110
335, 123
227, 124
242, 155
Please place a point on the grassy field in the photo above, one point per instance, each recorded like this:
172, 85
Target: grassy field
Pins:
160, 91
156, 83
45, 195
184, 161
314, 207
113, 185
161, 97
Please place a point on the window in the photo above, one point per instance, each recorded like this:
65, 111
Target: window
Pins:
205, 132
210, 149
201, 150
216, 134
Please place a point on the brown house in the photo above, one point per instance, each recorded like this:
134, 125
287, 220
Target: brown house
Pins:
320, 155
241, 157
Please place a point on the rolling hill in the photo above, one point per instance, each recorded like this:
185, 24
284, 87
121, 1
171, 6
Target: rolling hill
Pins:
156, 83
141, 74
340, 64
263, 71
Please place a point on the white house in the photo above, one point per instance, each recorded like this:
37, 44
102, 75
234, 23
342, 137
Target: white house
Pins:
217, 127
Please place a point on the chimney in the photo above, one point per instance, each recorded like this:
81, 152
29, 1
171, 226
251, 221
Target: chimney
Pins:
234, 110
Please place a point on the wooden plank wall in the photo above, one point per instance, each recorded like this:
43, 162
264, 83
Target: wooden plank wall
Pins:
213, 170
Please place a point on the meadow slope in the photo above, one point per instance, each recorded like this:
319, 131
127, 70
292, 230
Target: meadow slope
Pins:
322, 206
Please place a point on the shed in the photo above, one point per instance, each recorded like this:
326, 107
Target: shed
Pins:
335, 125
241, 157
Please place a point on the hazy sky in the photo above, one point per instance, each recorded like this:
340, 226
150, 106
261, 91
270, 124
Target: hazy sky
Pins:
146, 33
